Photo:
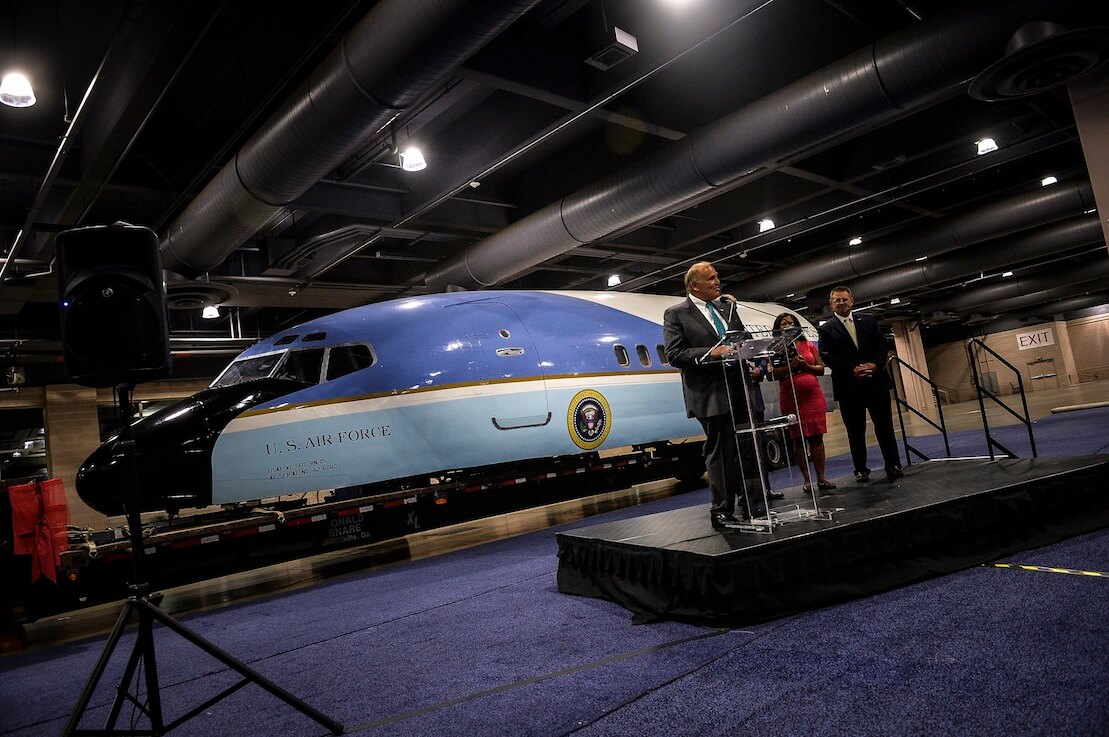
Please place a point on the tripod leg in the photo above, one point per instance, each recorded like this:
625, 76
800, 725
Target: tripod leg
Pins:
125, 681
146, 639
98, 670
241, 668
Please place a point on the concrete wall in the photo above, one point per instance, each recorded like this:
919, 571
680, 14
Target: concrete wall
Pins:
1041, 366
73, 429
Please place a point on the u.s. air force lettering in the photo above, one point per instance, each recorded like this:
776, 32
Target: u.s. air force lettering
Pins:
321, 440
588, 419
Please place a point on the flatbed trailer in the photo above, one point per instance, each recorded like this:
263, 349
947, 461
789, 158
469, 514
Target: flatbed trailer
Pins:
97, 567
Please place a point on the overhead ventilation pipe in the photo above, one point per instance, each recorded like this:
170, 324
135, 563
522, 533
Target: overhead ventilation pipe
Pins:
905, 72
1015, 249
1094, 269
388, 60
1039, 302
846, 264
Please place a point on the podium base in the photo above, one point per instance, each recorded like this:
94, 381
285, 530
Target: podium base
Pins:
783, 516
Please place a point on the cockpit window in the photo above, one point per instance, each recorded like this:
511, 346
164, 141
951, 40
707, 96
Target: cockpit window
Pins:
346, 359
302, 366
248, 369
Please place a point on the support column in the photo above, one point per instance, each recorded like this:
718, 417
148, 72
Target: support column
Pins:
1062, 339
910, 349
1090, 100
72, 432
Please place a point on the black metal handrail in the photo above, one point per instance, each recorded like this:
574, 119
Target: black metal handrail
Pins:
941, 426
992, 442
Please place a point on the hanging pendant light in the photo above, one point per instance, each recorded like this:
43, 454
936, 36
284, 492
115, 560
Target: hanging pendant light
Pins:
15, 91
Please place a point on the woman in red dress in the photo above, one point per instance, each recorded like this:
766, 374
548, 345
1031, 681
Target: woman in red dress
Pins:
796, 372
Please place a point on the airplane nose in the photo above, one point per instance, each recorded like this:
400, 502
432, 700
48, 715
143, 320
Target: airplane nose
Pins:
172, 456
100, 479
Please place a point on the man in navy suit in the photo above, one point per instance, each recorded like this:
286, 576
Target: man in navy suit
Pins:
852, 346
691, 329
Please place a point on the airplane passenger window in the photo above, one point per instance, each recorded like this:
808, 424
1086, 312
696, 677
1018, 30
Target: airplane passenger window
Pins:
346, 359
661, 351
644, 355
622, 357
302, 366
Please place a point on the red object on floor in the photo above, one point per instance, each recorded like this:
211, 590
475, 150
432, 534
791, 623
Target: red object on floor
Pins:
40, 517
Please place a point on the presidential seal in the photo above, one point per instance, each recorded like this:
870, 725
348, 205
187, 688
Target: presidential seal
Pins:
588, 419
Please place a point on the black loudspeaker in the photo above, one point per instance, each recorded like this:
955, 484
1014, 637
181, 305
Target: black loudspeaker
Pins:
112, 303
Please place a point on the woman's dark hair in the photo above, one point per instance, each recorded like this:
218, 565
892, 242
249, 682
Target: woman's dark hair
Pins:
777, 329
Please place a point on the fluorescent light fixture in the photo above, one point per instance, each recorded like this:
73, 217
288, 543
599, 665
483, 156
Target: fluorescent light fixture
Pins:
895, 301
614, 280
986, 145
790, 294
921, 258
15, 91
1048, 181
1006, 273
211, 312
412, 159
856, 241
766, 224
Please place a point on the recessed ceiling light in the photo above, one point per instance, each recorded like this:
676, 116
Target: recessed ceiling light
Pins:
1047, 181
921, 258
766, 224
211, 312
855, 241
1006, 273
614, 280
895, 301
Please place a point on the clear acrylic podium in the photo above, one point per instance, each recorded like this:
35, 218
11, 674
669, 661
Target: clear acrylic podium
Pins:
749, 349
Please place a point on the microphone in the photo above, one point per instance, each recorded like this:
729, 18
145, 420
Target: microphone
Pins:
732, 302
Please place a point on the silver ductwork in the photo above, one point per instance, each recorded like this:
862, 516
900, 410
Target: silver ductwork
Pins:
1014, 249
388, 60
1008, 216
995, 295
873, 86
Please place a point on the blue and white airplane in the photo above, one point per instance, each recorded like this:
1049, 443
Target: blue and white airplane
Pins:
413, 388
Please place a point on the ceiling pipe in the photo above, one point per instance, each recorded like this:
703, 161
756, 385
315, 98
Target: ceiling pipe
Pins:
905, 72
399, 51
1004, 289
1063, 306
997, 219
1009, 251
1036, 302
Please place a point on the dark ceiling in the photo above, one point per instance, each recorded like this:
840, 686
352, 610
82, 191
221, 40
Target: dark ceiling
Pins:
142, 104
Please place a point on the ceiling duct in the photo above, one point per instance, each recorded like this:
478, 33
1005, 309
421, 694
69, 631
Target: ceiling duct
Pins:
1015, 249
382, 66
1039, 302
845, 265
1004, 289
1040, 57
905, 72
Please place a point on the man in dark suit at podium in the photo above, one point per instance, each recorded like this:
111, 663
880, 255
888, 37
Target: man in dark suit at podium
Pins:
691, 329
852, 346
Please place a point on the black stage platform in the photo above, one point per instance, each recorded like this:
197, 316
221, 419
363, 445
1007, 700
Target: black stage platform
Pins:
941, 517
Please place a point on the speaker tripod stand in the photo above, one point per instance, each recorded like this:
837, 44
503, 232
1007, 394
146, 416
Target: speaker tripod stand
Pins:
143, 606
